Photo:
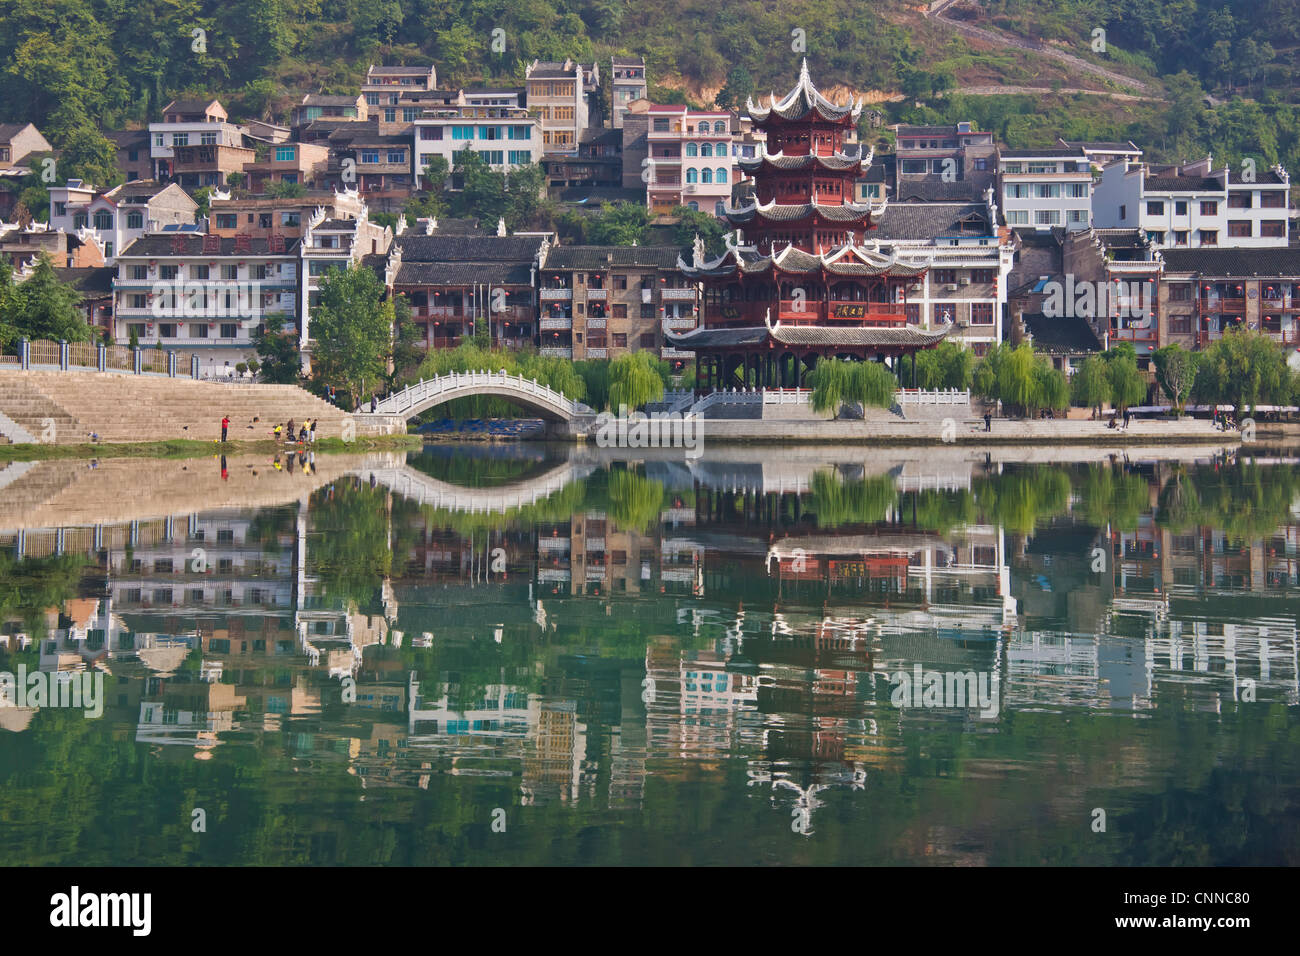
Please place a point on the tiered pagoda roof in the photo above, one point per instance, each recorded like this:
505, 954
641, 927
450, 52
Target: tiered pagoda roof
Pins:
802, 100
793, 212
844, 261
838, 162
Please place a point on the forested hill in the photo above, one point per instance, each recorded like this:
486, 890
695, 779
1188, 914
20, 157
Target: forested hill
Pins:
74, 66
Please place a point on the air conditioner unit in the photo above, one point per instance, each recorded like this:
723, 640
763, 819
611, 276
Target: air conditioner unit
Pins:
965, 280
950, 288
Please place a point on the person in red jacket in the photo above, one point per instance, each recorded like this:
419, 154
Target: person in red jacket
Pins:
225, 425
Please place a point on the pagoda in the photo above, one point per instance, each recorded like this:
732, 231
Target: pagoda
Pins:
796, 283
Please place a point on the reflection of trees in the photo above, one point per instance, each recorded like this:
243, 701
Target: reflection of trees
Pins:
477, 472
559, 506
634, 500
1021, 498
1109, 495
349, 543
1244, 500
856, 501
31, 585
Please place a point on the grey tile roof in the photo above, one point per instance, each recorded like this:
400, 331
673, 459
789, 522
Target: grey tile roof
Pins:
1064, 335
464, 273
467, 248
928, 220
868, 337
1271, 263
936, 190
1182, 184
191, 246
599, 257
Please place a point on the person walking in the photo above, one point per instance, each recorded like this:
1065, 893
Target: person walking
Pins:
276, 432
311, 433
225, 426
1127, 416
374, 404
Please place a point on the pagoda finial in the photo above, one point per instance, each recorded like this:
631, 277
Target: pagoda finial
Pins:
803, 72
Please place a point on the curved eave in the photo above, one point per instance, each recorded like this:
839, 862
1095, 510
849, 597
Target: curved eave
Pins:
906, 337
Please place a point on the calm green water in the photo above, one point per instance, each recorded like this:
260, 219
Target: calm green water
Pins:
528, 654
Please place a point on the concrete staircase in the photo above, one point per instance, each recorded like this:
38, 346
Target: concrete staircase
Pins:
66, 407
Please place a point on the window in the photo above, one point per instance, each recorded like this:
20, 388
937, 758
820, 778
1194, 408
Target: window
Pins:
285, 154
620, 283
1019, 191
982, 276
981, 313
1155, 208
135, 219
692, 149
647, 340
229, 330
520, 157
198, 330
1240, 228
1180, 323
1180, 207
647, 310
462, 132
290, 218
428, 133
138, 301
1180, 237
1209, 208
1239, 200
706, 175
945, 276
493, 157
1076, 190
1017, 217
1123, 211
1047, 217
370, 156
1181, 292
139, 272
1209, 237
720, 127
620, 340
1272, 200
1047, 190
706, 149
692, 176
410, 114
390, 114
620, 310
168, 273
720, 176
1273, 228
167, 330
207, 139
103, 219
396, 157
1078, 217
199, 272
180, 139
661, 125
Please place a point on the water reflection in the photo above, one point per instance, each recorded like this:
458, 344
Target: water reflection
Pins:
532, 627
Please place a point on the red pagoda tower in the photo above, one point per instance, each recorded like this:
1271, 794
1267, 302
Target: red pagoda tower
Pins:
800, 286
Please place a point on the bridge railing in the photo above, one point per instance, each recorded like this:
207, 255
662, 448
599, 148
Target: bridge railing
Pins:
425, 389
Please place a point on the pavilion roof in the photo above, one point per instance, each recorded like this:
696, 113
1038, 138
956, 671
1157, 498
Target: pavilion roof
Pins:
801, 101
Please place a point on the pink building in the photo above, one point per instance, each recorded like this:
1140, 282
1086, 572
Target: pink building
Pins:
691, 159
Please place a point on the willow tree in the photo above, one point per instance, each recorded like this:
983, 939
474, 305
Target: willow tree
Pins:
836, 382
634, 380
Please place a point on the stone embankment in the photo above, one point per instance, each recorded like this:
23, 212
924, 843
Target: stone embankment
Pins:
66, 408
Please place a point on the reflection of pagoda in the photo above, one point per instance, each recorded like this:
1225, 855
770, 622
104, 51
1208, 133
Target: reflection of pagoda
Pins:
803, 287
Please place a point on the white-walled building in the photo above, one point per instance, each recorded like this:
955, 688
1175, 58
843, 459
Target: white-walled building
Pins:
120, 215
968, 262
1046, 188
205, 294
195, 146
1193, 205
490, 122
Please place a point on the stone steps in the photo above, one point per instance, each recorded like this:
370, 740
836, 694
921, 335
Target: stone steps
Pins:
125, 408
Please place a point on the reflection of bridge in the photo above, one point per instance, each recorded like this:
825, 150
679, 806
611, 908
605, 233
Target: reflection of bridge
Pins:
425, 490
427, 393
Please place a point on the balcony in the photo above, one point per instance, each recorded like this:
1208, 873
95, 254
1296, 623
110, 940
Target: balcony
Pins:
874, 313
556, 351
681, 325
598, 353
676, 353
678, 295
596, 321
1146, 335
556, 295
597, 295
1221, 304
556, 325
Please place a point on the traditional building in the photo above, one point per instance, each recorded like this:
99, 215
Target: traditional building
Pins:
801, 287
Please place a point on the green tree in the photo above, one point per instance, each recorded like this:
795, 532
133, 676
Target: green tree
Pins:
1243, 368
695, 222
1176, 373
619, 224
836, 382
89, 155
278, 348
1128, 386
739, 88
352, 330
947, 365
285, 190
634, 380
43, 306
1090, 387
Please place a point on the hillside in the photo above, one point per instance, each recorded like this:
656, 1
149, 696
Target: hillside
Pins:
1023, 68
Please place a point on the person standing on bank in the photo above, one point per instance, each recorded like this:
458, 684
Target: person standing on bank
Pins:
225, 426
988, 422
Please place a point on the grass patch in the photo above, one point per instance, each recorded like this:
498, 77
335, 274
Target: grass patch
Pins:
190, 448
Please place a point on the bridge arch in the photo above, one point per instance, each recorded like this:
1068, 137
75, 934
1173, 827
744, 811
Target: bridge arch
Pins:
429, 393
